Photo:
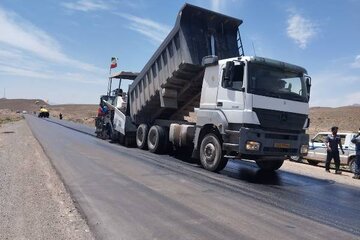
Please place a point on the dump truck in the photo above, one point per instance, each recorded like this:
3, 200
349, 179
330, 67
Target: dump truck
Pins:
200, 92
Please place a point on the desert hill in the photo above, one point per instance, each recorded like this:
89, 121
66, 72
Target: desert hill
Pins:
28, 105
322, 118
81, 113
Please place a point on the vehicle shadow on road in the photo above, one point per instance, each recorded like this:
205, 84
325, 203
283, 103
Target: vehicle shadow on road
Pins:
248, 172
257, 176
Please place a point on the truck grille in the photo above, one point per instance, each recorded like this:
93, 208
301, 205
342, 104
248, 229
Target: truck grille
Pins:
272, 119
281, 136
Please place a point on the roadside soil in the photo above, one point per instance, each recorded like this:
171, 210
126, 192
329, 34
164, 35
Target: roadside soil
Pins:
7, 116
34, 203
319, 173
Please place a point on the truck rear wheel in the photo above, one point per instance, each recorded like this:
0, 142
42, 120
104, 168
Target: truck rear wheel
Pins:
211, 156
269, 165
141, 136
157, 139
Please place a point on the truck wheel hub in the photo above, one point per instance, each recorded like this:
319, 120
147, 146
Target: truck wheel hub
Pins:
209, 152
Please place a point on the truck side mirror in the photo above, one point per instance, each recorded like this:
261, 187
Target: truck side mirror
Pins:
227, 73
308, 85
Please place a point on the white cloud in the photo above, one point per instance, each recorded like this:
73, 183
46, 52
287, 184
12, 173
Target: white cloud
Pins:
356, 63
87, 5
149, 28
300, 29
27, 51
223, 5
334, 89
338, 101
23, 72
216, 5
23, 35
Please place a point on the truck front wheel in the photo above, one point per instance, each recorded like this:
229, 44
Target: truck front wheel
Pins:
269, 165
211, 156
141, 136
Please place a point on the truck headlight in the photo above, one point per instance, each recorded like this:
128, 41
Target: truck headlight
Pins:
252, 146
304, 149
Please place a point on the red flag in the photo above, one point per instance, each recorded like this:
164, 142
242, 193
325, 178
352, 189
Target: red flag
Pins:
113, 63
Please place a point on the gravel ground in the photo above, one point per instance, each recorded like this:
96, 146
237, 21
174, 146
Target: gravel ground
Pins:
33, 201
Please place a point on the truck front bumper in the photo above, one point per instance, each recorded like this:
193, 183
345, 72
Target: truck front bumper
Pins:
257, 144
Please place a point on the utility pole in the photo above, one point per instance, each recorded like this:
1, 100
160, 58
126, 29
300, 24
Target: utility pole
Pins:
4, 92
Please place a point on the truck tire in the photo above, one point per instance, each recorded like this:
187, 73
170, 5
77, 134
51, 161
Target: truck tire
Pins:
157, 139
270, 165
211, 156
141, 136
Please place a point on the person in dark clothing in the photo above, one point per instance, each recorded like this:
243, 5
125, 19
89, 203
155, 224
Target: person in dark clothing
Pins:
356, 141
332, 142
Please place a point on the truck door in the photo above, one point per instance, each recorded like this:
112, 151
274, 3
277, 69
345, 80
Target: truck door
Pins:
230, 96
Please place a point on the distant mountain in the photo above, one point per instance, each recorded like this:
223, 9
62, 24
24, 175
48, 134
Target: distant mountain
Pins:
81, 113
323, 118
29, 105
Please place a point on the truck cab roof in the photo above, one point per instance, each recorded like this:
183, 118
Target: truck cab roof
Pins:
267, 61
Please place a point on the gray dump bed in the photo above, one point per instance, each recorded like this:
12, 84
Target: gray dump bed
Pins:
169, 86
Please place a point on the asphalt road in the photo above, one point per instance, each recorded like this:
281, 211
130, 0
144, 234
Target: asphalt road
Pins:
127, 193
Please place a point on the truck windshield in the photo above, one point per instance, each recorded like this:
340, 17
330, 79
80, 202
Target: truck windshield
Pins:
275, 82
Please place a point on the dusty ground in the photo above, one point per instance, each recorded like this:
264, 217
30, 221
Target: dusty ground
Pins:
7, 116
79, 113
33, 201
319, 172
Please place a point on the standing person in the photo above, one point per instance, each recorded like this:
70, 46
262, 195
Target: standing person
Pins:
332, 142
356, 141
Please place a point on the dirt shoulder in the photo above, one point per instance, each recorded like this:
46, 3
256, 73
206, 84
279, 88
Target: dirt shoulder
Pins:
34, 203
319, 172
7, 116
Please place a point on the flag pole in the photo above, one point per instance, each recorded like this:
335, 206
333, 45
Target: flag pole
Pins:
112, 65
110, 82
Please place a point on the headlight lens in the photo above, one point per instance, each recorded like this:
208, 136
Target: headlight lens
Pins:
304, 149
252, 146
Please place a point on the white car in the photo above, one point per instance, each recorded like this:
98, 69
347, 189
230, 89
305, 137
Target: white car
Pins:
317, 150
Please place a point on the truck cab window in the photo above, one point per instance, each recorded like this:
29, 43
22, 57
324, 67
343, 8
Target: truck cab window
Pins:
236, 78
277, 82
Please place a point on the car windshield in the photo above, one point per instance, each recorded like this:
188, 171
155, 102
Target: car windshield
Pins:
275, 82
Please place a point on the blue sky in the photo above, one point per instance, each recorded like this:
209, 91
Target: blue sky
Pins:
60, 50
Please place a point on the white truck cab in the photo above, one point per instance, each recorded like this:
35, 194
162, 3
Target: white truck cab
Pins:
259, 105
